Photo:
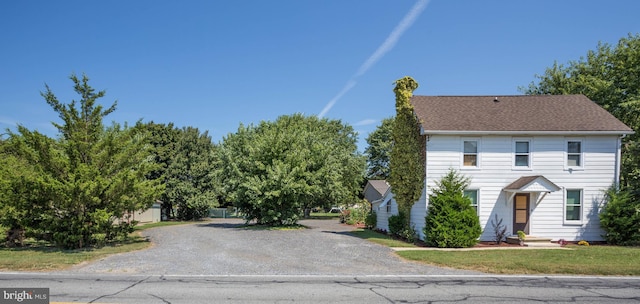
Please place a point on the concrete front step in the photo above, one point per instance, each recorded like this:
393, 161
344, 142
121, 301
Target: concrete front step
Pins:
530, 240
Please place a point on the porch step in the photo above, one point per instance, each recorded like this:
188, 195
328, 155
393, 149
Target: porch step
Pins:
532, 241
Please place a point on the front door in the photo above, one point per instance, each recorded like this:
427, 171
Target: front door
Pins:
521, 213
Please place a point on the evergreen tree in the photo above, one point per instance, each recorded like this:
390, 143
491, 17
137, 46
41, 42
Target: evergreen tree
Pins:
451, 221
407, 155
620, 218
87, 181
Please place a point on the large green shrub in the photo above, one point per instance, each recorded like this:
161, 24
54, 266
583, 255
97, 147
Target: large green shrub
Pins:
397, 222
451, 221
399, 227
371, 220
620, 218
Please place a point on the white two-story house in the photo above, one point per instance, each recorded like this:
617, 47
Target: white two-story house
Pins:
541, 163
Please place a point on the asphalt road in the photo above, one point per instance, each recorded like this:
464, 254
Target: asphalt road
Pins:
221, 262
143, 289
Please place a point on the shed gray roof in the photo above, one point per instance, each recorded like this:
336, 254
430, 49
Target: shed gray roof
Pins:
524, 113
380, 185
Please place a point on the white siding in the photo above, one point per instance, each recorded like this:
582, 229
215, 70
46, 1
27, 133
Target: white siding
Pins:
382, 216
548, 157
418, 213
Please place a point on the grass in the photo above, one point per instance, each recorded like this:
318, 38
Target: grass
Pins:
45, 258
160, 224
40, 256
380, 238
581, 260
324, 215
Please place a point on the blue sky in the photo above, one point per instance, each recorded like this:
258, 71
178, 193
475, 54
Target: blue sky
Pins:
216, 64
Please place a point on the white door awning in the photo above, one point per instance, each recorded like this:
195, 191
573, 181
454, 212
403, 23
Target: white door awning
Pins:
535, 183
531, 184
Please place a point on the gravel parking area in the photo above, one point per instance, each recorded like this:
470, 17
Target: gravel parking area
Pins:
223, 247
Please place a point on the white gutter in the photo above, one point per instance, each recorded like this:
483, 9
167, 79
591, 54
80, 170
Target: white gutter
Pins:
523, 132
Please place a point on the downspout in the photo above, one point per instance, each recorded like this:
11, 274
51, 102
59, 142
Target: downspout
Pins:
616, 177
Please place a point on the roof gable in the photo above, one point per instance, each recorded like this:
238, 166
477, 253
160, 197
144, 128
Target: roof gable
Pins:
375, 189
535, 183
525, 113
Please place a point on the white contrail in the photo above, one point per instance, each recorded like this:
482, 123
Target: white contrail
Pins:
383, 49
350, 84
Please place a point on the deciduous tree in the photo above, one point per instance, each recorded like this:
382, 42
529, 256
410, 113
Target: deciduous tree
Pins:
610, 76
276, 170
378, 151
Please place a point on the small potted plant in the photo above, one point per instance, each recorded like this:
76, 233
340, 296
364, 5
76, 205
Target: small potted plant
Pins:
521, 237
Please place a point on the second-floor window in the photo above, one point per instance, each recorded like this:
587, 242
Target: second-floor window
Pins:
574, 153
470, 155
522, 154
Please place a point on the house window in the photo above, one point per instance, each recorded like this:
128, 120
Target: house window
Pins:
522, 154
574, 153
387, 205
473, 196
573, 205
470, 155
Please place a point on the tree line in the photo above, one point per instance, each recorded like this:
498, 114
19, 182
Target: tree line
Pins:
81, 188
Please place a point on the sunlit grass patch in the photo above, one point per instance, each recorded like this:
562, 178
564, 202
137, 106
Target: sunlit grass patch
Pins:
581, 260
380, 238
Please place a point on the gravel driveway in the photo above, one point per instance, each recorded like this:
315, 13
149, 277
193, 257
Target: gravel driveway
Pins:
223, 247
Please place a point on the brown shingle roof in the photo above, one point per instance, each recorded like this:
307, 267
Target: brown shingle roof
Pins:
534, 113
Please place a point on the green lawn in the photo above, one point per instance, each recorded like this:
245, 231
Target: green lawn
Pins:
579, 260
379, 238
160, 224
43, 257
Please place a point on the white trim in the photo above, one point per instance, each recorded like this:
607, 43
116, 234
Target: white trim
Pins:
567, 167
529, 165
564, 208
478, 153
477, 199
523, 132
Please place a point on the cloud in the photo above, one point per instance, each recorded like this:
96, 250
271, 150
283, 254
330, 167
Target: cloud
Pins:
383, 49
